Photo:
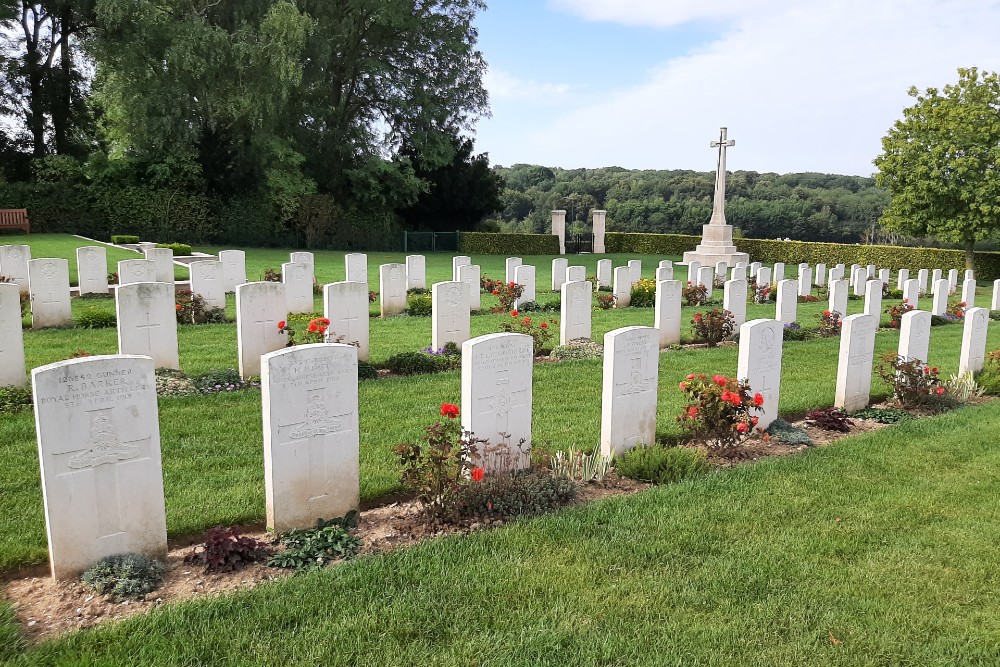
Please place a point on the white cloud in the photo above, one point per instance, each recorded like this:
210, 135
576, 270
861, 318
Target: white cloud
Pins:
801, 88
506, 86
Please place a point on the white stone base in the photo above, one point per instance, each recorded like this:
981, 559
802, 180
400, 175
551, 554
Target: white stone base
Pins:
711, 255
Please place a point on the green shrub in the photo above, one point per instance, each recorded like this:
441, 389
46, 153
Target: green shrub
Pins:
483, 243
121, 239
124, 575
315, 548
650, 244
422, 363
419, 305
643, 294
180, 249
661, 465
15, 399
366, 371
884, 415
96, 318
226, 550
578, 348
513, 494
788, 434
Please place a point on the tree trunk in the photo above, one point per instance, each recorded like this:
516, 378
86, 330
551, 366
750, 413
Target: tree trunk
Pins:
62, 98
970, 255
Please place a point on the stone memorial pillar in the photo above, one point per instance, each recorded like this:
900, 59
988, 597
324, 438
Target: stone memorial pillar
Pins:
600, 222
559, 229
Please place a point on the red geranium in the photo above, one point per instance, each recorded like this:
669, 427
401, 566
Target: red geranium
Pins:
449, 410
544, 325
281, 324
514, 313
313, 327
477, 474
758, 399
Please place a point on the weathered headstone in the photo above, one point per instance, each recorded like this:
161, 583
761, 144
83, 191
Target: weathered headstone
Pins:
939, 304
693, 269
759, 363
576, 273
936, 276
664, 273
820, 275
147, 322
356, 267
510, 265
392, 288
92, 269
873, 299
970, 274
303, 257
559, 266
754, 268
628, 397
739, 272
952, 280
48, 285
734, 299
721, 269
922, 275
706, 278
622, 288
163, 261
861, 283
470, 275
787, 301
345, 304
524, 275
635, 267
449, 313
914, 335
911, 292
234, 268
416, 272
973, 354
460, 260
854, 368
309, 399
838, 297
835, 273
604, 272
136, 271
207, 279
496, 398
297, 279
901, 277
764, 277
969, 293
805, 281
260, 307
667, 312
884, 275
575, 311
856, 272
99, 447
14, 264
778, 273
11, 337
665, 263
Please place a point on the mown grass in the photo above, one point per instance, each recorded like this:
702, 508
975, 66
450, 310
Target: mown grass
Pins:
879, 550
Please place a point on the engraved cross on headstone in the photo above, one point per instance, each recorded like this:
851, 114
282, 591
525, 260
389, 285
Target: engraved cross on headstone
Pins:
149, 334
719, 205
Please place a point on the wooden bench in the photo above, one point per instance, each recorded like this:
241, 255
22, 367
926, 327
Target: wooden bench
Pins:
15, 218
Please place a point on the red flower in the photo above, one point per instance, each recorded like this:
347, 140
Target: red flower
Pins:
281, 324
178, 306
692, 411
906, 300
526, 321
719, 380
684, 386
939, 390
742, 427
511, 284
826, 313
312, 327
726, 396
758, 400
477, 474
544, 325
322, 329
960, 314
690, 377
495, 292
449, 410
697, 317
325, 321
737, 400
934, 371
753, 421
514, 313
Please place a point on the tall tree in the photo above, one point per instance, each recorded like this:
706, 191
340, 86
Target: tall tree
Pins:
940, 163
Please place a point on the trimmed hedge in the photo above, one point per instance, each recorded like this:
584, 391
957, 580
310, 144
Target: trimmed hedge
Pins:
484, 243
180, 249
119, 239
987, 264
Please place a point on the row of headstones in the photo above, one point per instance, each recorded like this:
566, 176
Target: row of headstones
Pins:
99, 443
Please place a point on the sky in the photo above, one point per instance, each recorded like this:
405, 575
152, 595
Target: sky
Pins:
802, 85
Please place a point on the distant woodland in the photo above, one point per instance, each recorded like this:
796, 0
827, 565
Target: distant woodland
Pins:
806, 207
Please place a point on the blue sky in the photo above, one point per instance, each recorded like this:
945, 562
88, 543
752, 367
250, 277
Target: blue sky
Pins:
803, 85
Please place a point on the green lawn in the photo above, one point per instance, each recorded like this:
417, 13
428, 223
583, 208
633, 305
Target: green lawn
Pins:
879, 550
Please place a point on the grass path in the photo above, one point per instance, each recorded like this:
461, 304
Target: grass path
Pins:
879, 550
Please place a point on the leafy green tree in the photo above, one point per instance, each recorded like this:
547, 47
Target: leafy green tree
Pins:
940, 163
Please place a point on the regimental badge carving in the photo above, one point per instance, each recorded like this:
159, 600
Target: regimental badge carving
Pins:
453, 297
766, 340
636, 383
300, 273
394, 273
49, 270
15, 254
106, 447
318, 420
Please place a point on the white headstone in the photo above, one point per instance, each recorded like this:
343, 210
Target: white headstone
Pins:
835, 273
457, 261
759, 363
635, 267
939, 304
14, 263
706, 278
739, 272
509, 266
665, 273
854, 368
470, 274
260, 307
622, 289
136, 271
449, 313
297, 279
995, 302
599, 227
559, 266
234, 268
99, 447
855, 271
48, 284
970, 274
915, 335
628, 397
208, 280
871, 271
392, 288
356, 266
667, 312
693, 269
302, 258
884, 275
575, 311
163, 261
92, 269
524, 275
309, 398
11, 337
345, 304
754, 268
416, 272
721, 268
911, 292
969, 293
861, 283
496, 397
778, 274
147, 322
922, 280
665, 263
805, 281
787, 301
952, 280
604, 272
973, 354
764, 277
838, 297
820, 276
901, 277
734, 299
873, 299
576, 273
936, 275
